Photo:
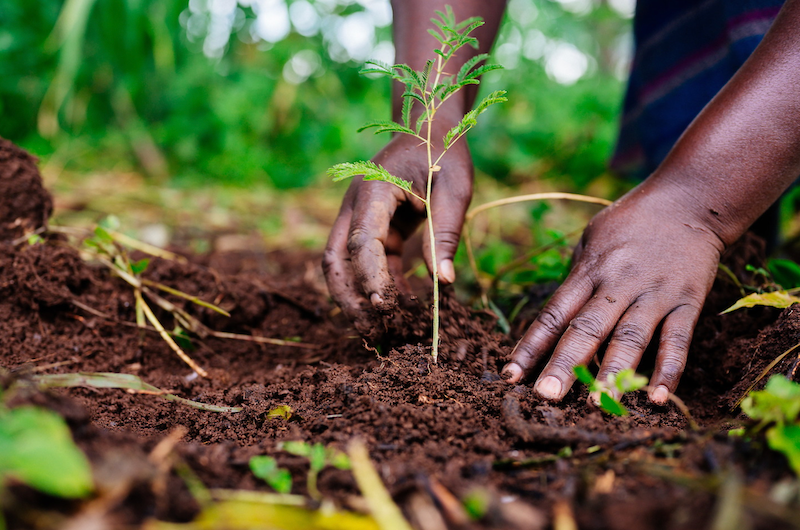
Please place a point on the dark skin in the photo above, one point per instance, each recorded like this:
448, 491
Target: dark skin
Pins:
645, 264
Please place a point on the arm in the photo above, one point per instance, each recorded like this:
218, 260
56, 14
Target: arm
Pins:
649, 259
362, 260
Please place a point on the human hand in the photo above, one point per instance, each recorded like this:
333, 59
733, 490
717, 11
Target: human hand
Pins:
363, 257
648, 260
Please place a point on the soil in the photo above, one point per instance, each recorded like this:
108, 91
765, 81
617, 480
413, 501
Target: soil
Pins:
434, 431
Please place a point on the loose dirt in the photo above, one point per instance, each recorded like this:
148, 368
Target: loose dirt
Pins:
434, 431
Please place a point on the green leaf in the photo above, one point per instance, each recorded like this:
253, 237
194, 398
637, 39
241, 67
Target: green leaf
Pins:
387, 126
779, 402
102, 235
370, 171
110, 222
138, 267
779, 299
498, 96
628, 381
785, 272
266, 468
35, 239
611, 405
296, 448
482, 70
36, 448
338, 459
464, 23
317, 457
283, 412
466, 123
467, 66
413, 78
584, 375
438, 36
786, 439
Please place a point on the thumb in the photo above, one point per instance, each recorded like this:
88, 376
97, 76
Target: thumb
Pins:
449, 206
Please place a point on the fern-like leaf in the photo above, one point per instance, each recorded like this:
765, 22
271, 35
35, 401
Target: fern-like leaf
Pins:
386, 126
370, 171
469, 65
479, 71
498, 96
466, 123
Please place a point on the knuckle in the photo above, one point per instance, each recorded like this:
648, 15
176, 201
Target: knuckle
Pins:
551, 320
562, 365
676, 340
588, 325
448, 238
358, 238
329, 260
630, 337
671, 370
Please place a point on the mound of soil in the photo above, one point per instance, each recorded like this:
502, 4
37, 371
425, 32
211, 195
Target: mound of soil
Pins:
438, 433
24, 203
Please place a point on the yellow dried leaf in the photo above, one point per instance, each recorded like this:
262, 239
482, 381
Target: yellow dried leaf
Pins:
780, 299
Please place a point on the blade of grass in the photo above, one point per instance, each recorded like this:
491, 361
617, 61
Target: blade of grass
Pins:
119, 381
166, 336
145, 247
185, 296
381, 505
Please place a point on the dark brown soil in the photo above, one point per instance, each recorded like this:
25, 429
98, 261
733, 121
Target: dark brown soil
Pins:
433, 430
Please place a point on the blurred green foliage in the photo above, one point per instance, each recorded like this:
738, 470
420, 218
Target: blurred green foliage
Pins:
195, 90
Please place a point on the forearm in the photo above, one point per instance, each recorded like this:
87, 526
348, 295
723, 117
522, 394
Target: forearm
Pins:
414, 45
743, 150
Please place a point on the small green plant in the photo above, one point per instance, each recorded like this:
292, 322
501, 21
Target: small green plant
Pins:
36, 448
625, 381
430, 88
266, 468
319, 457
776, 408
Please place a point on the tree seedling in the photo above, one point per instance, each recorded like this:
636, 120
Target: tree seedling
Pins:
319, 457
430, 88
777, 409
625, 381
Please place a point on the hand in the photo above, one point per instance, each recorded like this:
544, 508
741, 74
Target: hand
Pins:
363, 257
645, 261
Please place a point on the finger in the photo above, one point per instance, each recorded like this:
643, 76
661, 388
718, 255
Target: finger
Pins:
339, 271
673, 349
545, 331
394, 259
629, 340
366, 240
449, 202
581, 340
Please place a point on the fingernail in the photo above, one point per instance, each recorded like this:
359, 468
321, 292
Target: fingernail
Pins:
549, 387
660, 395
512, 372
595, 398
446, 271
376, 299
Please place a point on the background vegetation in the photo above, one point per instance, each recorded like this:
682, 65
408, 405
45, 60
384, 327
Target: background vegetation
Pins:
267, 91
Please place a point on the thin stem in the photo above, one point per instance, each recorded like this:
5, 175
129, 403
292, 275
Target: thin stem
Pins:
429, 212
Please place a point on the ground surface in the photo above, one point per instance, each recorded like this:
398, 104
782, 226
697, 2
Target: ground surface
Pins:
433, 431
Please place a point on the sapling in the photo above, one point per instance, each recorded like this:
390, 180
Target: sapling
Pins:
430, 87
624, 381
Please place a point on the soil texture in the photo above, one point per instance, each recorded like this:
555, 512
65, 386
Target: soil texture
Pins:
437, 433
